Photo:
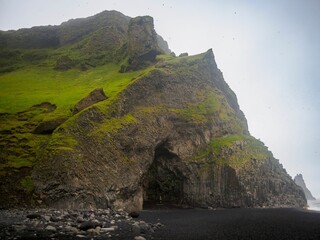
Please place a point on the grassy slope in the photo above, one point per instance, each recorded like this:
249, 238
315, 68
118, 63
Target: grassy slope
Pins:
25, 87
36, 82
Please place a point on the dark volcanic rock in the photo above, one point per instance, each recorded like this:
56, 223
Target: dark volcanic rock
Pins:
34, 215
134, 214
300, 182
47, 127
87, 225
95, 96
98, 224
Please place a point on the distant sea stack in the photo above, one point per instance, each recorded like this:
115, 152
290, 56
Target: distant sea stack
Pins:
300, 182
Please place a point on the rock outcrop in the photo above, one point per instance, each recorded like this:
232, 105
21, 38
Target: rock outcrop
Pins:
300, 182
176, 133
95, 96
171, 129
106, 37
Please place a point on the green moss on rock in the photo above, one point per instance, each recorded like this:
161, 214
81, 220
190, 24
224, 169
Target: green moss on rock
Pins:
27, 184
114, 124
232, 150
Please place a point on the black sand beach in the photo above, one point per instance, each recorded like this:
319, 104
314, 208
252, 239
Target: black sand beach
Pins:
235, 223
178, 224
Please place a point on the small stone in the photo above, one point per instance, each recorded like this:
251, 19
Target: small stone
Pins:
93, 232
139, 238
134, 214
144, 227
110, 229
33, 216
72, 229
87, 225
159, 225
19, 228
51, 228
47, 218
136, 229
54, 219
80, 236
80, 219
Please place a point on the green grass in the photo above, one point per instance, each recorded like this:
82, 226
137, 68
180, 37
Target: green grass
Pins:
200, 113
114, 124
29, 86
33, 84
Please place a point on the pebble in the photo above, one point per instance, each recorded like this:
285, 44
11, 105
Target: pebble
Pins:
134, 214
51, 228
107, 229
89, 224
136, 229
139, 238
33, 216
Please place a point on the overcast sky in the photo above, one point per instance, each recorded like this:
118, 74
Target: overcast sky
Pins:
268, 52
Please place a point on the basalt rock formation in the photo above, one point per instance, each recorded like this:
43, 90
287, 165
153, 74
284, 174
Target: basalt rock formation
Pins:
300, 182
175, 132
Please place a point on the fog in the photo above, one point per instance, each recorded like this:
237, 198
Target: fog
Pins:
268, 52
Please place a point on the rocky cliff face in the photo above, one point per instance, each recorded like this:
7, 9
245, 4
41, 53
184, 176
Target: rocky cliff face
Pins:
106, 37
176, 132
300, 182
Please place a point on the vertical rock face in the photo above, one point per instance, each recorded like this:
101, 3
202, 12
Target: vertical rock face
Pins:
142, 43
300, 182
182, 137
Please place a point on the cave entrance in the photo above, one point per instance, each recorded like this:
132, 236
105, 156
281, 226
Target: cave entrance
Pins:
163, 183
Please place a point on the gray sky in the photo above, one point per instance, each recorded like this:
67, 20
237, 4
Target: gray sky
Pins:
268, 52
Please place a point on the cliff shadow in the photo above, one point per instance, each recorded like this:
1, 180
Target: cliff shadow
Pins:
163, 182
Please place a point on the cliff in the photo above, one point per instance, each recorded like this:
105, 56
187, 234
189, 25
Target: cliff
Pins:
300, 182
165, 126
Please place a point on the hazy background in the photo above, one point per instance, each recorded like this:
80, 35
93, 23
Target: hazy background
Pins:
268, 52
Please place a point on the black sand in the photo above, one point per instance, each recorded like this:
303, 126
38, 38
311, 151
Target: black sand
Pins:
189, 224
234, 223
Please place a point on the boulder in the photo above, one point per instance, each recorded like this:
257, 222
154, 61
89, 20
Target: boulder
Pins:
95, 96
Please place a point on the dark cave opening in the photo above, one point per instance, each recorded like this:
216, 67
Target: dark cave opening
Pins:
163, 183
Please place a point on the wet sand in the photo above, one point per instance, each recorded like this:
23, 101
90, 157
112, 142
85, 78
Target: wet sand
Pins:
234, 223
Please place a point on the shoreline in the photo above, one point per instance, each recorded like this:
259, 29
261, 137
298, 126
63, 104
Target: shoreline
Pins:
164, 223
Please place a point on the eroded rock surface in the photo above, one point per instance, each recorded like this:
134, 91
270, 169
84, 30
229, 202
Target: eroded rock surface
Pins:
176, 134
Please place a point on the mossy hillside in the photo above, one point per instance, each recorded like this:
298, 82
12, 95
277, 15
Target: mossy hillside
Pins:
212, 108
29, 86
186, 65
232, 150
114, 124
34, 84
